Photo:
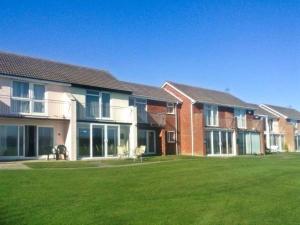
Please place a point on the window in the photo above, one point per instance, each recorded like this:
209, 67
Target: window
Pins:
105, 105
248, 143
93, 102
141, 105
270, 123
297, 142
38, 98
9, 141
170, 108
28, 97
20, 95
211, 115
240, 115
171, 136
218, 142
45, 140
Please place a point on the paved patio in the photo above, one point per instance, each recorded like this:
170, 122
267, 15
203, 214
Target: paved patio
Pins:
15, 165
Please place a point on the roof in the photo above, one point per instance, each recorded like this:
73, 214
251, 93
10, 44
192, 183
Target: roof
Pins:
290, 113
210, 96
150, 92
28, 67
262, 112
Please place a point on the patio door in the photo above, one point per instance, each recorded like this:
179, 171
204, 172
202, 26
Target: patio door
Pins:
104, 140
30, 141
98, 143
147, 138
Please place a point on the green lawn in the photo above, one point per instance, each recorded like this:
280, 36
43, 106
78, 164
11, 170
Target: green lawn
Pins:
242, 190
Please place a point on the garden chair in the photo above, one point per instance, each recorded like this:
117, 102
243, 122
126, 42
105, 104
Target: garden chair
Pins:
61, 150
122, 151
140, 151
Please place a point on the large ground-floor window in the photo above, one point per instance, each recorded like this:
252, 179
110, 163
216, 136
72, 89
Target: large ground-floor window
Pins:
218, 142
102, 140
25, 140
147, 138
297, 143
277, 142
248, 143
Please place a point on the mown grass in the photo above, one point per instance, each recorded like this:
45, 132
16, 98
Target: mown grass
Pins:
242, 190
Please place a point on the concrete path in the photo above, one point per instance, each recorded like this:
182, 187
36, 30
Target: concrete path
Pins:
13, 165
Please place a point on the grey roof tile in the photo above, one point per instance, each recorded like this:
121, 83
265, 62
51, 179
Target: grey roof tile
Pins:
288, 112
28, 67
211, 96
150, 92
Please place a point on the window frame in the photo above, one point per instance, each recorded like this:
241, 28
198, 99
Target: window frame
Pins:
30, 98
98, 94
169, 106
228, 141
169, 137
240, 114
209, 110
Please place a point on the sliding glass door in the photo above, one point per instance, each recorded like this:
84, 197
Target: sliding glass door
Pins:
98, 140
248, 143
147, 138
218, 142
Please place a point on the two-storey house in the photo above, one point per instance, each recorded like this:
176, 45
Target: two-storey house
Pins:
214, 123
157, 119
45, 103
287, 125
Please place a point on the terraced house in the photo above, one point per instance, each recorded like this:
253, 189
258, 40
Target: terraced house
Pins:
45, 103
215, 123
283, 128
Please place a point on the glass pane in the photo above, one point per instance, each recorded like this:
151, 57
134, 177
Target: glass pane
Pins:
216, 142
124, 137
8, 141
38, 92
131, 101
255, 143
98, 141
248, 143
45, 136
39, 107
142, 138
20, 106
92, 106
241, 143
208, 142
21, 141
84, 142
141, 113
229, 142
112, 140
105, 105
151, 142
20, 89
224, 142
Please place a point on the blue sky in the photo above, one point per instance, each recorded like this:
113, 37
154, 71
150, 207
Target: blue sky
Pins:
250, 47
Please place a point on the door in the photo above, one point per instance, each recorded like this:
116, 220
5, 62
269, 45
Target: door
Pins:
30, 141
98, 140
112, 140
151, 145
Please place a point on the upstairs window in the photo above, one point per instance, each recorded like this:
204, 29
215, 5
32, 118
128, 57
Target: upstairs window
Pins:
211, 115
270, 123
27, 97
240, 115
94, 100
141, 107
170, 108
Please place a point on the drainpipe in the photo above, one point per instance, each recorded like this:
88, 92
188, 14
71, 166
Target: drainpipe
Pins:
192, 128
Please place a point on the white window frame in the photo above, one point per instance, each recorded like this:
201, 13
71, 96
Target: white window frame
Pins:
208, 112
169, 136
211, 133
241, 115
30, 98
99, 95
142, 101
170, 106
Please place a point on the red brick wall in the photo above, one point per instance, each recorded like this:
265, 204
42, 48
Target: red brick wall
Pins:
184, 119
226, 117
161, 107
198, 129
289, 132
